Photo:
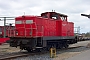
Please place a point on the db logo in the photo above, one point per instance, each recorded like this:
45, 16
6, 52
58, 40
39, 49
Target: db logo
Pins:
63, 24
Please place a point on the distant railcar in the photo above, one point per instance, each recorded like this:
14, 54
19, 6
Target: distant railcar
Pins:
9, 32
51, 29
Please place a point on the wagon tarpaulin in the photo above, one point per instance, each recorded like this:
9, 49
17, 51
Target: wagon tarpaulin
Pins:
3, 40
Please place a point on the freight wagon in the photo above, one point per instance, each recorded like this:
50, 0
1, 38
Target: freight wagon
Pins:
9, 32
51, 29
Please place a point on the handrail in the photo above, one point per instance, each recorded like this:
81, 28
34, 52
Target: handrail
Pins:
31, 29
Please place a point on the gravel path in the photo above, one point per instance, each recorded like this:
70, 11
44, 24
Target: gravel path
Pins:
61, 54
5, 48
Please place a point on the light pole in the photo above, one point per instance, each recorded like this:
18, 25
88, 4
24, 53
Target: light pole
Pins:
77, 30
86, 15
4, 27
5, 18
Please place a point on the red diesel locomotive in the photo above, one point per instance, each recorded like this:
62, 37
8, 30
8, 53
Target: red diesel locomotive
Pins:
51, 29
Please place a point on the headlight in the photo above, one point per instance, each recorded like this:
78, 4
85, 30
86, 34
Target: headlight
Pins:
16, 32
0, 32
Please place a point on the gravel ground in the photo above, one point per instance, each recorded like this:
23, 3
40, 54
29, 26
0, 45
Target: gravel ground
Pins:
61, 54
5, 48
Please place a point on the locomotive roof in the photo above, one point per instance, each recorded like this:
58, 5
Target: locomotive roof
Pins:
57, 13
25, 16
41, 14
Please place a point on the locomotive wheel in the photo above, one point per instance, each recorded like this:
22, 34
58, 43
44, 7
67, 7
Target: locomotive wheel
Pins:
29, 50
66, 45
48, 48
60, 46
44, 49
38, 50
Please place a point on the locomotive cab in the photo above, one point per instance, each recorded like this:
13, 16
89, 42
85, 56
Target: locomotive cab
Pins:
54, 15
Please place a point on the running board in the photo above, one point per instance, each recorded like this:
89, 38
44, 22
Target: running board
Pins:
39, 47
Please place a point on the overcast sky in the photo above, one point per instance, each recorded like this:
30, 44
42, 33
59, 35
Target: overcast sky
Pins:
72, 8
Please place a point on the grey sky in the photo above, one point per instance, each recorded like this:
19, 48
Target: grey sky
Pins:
72, 8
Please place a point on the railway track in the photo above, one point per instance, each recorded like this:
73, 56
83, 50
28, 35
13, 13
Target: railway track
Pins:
8, 56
